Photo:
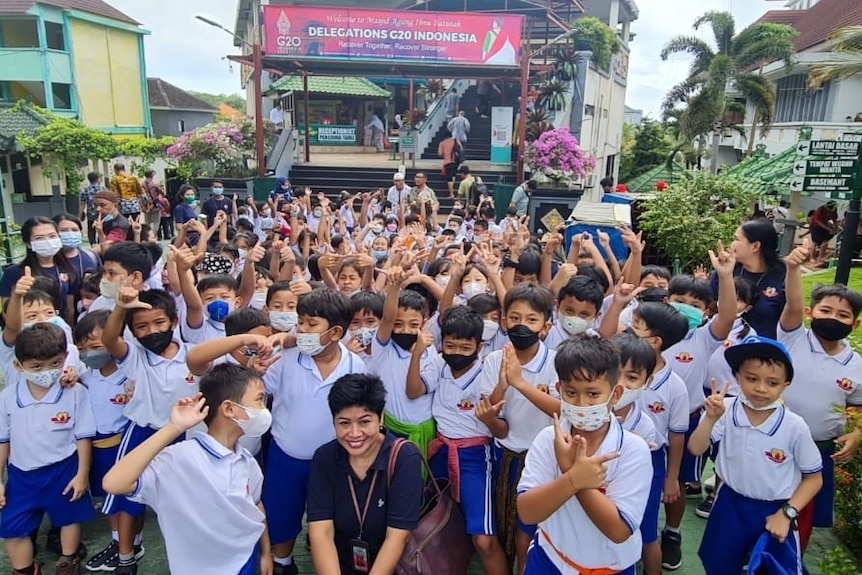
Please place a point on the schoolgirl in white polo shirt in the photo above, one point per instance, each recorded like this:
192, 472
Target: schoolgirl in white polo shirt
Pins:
45, 433
156, 362
585, 471
768, 462
828, 375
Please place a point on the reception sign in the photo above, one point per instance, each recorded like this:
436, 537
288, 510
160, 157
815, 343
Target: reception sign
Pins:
337, 33
331, 135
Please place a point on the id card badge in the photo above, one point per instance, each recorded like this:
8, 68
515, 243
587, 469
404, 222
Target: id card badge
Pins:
359, 549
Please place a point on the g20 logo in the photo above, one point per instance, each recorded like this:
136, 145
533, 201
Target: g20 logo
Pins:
288, 41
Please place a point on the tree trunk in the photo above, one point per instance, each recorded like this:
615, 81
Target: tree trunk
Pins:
716, 142
752, 135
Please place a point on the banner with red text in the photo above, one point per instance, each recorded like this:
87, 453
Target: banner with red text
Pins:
336, 33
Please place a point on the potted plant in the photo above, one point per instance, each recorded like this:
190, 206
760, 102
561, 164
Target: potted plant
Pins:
431, 90
565, 63
552, 95
537, 124
594, 35
556, 155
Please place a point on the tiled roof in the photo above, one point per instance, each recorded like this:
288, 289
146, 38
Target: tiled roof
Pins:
331, 85
95, 7
816, 24
662, 173
165, 95
14, 122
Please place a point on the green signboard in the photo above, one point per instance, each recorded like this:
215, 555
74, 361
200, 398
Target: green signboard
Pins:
834, 148
331, 135
835, 167
823, 184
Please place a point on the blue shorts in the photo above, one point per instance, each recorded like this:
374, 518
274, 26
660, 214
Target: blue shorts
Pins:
690, 468
284, 491
538, 562
649, 523
104, 459
735, 524
477, 487
250, 567
31, 494
824, 501
514, 476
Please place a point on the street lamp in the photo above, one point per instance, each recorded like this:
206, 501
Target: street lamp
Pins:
526, 58
257, 73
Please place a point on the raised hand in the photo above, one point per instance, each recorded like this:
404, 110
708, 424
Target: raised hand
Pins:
700, 272
184, 257
423, 342
589, 472
127, 296
99, 224
256, 254
512, 367
714, 404
722, 261
565, 447
487, 412
24, 283
136, 224
624, 292
800, 255
188, 412
604, 238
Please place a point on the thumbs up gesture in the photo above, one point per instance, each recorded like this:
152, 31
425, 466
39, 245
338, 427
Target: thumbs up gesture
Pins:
25, 283
799, 255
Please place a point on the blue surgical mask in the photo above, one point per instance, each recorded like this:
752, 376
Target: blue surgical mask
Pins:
693, 315
218, 310
218, 191
380, 254
107, 218
70, 239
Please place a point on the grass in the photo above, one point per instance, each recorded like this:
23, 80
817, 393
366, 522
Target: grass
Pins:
826, 277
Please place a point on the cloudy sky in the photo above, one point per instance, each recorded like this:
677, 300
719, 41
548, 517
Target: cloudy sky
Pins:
188, 53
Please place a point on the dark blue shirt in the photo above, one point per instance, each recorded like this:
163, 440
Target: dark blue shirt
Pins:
68, 283
769, 286
215, 205
184, 213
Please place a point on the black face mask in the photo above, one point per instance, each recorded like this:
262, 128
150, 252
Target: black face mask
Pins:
523, 337
830, 329
457, 362
405, 340
157, 342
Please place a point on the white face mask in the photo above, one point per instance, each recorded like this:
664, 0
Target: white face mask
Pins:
490, 329
628, 397
442, 281
258, 300
364, 335
109, 289
243, 253
283, 320
574, 325
44, 379
585, 418
258, 422
309, 343
46, 248
472, 289
747, 403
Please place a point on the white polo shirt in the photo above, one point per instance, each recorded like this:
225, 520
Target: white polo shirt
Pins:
525, 419
208, 331
301, 420
820, 382
764, 462
391, 364
718, 369
557, 335
205, 496
640, 424
455, 402
157, 383
628, 487
666, 402
496, 343
689, 359
108, 398
43, 432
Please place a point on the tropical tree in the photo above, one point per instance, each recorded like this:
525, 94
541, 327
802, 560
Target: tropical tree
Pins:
730, 64
845, 59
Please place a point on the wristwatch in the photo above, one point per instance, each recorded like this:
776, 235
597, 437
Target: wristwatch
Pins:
790, 511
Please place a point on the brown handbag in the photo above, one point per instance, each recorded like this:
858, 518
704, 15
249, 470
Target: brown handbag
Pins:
440, 545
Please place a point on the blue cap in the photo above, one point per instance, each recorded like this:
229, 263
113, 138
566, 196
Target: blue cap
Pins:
755, 346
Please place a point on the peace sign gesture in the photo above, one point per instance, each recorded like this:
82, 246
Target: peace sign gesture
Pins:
714, 404
127, 296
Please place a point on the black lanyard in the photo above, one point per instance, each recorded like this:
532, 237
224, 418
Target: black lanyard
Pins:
361, 518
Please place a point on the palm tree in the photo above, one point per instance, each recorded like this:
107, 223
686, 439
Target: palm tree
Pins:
731, 64
845, 59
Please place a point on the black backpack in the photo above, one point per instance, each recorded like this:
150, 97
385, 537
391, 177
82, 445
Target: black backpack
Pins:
477, 188
458, 153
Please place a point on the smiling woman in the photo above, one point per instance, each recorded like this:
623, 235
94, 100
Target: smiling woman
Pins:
359, 514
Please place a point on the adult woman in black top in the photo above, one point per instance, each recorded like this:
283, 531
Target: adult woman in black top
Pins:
349, 475
755, 245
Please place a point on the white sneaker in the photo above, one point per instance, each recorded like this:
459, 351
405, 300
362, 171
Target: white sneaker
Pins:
709, 484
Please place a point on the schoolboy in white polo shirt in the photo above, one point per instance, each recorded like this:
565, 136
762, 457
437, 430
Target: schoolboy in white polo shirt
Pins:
206, 490
299, 384
585, 471
768, 462
522, 378
578, 305
828, 375
156, 362
45, 433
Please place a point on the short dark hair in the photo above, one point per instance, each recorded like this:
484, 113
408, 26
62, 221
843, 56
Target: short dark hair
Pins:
583, 288
462, 322
94, 177
41, 341
636, 351
158, 299
664, 321
431, 303
218, 281
368, 302
691, 286
653, 294
595, 273
357, 390
330, 304
840, 291
131, 257
537, 297
607, 182
35, 295
484, 303
90, 323
411, 299
149, 173
243, 320
530, 263
67, 218
222, 383
587, 358
657, 271
532, 184
278, 286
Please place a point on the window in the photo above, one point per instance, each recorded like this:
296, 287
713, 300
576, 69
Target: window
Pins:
796, 102
610, 165
181, 126
589, 110
54, 36
62, 96
11, 91
19, 33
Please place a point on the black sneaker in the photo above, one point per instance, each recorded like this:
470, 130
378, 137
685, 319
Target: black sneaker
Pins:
139, 551
291, 569
693, 491
129, 569
705, 507
105, 560
671, 550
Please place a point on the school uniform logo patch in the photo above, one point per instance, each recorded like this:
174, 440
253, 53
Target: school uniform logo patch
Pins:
61, 418
845, 384
727, 343
684, 357
466, 405
770, 292
657, 407
190, 379
120, 399
776, 456
543, 388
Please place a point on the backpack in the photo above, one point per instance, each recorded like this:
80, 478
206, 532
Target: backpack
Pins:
458, 153
477, 188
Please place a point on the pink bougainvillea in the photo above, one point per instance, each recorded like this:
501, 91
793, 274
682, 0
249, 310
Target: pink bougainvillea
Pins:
221, 148
557, 155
